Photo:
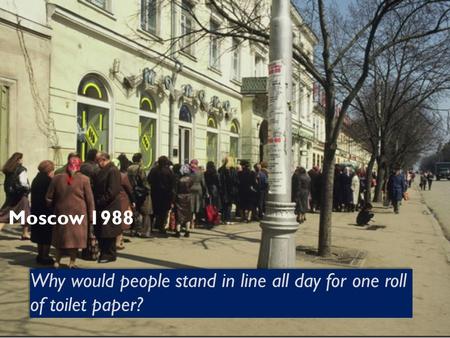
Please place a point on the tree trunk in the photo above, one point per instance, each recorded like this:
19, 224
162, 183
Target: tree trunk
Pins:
378, 196
326, 207
368, 192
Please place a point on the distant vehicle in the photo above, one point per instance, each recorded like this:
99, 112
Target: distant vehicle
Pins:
442, 170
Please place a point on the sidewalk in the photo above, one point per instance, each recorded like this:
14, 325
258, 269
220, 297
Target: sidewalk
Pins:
411, 239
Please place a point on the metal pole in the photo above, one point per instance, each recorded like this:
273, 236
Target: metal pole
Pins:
278, 249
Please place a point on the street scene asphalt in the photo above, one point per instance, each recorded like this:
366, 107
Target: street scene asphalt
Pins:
438, 201
412, 239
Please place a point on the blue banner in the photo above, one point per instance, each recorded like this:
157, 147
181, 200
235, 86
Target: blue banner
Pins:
221, 293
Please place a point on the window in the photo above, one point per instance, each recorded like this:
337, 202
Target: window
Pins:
187, 38
236, 62
259, 66
234, 141
212, 139
103, 4
147, 129
214, 46
185, 114
92, 115
149, 16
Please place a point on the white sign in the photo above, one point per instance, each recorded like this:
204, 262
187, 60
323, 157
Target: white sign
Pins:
276, 141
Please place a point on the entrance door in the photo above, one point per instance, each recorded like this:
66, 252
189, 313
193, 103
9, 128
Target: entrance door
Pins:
4, 108
184, 144
94, 124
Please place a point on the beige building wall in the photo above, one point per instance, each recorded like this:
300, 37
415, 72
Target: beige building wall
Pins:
24, 78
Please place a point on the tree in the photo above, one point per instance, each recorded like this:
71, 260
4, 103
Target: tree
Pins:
348, 40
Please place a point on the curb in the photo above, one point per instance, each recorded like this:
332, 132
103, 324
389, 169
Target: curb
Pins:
445, 244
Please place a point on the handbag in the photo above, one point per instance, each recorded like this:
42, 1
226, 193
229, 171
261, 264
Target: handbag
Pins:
212, 214
91, 252
172, 220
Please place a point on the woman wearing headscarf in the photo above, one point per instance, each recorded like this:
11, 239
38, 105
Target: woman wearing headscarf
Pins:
42, 234
107, 187
70, 193
16, 189
183, 201
162, 182
198, 191
301, 186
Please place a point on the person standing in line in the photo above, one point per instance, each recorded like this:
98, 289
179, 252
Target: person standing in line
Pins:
183, 199
107, 187
213, 186
63, 169
70, 193
162, 182
265, 171
346, 189
90, 167
316, 186
355, 191
42, 234
198, 191
126, 197
235, 198
247, 191
396, 188
142, 196
225, 190
262, 186
430, 178
301, 187
16, 188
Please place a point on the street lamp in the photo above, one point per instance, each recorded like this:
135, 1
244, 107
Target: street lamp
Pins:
277, 249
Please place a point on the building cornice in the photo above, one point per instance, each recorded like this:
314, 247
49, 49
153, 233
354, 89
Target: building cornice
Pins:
25, 24
62, 14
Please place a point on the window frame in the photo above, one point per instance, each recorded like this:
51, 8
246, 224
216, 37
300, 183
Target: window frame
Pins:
214, 46
144, 22
186, 17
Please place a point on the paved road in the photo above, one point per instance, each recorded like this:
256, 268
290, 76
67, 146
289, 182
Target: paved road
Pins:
438, 200
411, 239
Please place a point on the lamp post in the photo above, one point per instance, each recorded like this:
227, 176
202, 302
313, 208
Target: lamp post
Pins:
277, 249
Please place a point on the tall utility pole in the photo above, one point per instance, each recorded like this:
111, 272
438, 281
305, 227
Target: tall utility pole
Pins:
279, 225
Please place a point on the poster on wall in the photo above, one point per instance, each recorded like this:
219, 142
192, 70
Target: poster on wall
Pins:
276, 142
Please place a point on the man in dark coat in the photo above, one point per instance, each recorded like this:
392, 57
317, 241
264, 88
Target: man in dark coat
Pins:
301, 186
316, 186
107, 186
90, 167
162, 181
226, 190
396, 187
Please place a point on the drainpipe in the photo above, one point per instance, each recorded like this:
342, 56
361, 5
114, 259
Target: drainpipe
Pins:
171, 96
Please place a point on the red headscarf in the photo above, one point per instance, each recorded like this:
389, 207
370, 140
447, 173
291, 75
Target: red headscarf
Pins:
72, 167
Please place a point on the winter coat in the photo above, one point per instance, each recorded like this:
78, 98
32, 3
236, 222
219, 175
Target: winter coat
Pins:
247, 189
198, 191
126, 196
301, 186
73, 199
213, 187
137, 176
40, 234
183, 200
316, 184
226, 185
346, 192
162, 182
107, 186
396, 187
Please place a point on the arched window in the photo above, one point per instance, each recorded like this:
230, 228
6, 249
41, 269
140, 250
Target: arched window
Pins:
147, 129
212, 138
93, 111
234, 140
185, 114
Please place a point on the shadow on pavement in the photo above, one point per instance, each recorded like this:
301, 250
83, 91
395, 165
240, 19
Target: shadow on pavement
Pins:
155, 261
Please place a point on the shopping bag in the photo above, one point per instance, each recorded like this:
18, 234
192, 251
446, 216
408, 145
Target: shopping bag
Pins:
91, 252
212, 214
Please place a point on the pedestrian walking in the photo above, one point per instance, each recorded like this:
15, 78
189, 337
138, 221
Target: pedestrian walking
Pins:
162, 182
430, 178
70, 193
212, 182
16, 188
423, 180
198, 192
396, 188
183, 198
142, 197
42, 234
301, 187
107, 187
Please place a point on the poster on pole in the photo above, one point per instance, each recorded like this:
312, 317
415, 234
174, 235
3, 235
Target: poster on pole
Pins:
276, 141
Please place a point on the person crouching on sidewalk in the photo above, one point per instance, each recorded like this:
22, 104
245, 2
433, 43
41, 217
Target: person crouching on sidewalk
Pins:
365, 215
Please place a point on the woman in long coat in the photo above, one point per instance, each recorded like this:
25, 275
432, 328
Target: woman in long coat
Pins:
247, 191
212, 182
198, 190
126, 196
183, 201
301, 187
16, 188
107, 186
70, 193
162, 182
42, 234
